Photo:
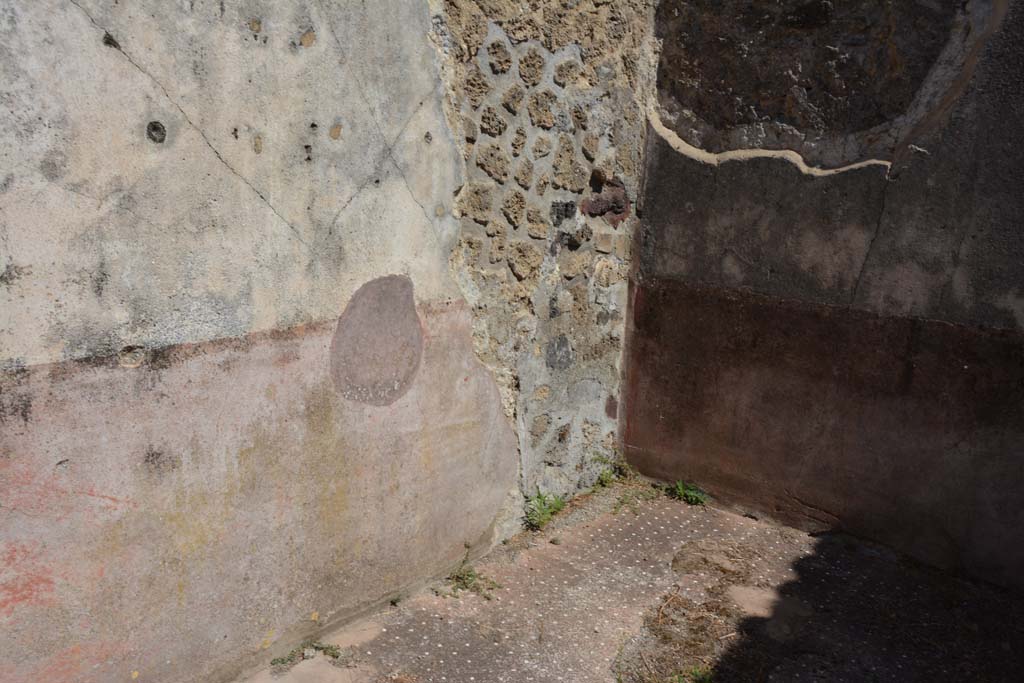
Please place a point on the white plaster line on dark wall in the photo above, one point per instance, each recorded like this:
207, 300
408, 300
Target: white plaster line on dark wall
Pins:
713, 159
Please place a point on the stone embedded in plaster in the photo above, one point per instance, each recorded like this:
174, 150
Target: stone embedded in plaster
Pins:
514, 208
542, 147
476, 88
566, 72
536, 224
512, 100
524, 174
499, 57
531, 67
494, 162
518, 141
539, 109
559, 354
609, 200
491, 123
525, 260
561, 211
474, 201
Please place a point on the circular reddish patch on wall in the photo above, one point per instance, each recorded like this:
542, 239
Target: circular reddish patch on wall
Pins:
377, 346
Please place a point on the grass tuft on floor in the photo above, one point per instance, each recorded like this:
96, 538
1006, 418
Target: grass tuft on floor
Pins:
541, 508
688, 493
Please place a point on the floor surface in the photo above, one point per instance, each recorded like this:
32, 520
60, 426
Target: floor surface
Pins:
628, 586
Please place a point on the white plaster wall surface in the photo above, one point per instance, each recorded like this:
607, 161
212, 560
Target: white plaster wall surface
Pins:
296, 166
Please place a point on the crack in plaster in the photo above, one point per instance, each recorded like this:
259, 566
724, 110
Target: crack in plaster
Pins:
717, 159
389, 151
808, 506
412, 195
871, 244
206, 140
388, 155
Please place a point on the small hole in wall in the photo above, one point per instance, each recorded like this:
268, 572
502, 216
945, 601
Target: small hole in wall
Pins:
156, 132
131, 356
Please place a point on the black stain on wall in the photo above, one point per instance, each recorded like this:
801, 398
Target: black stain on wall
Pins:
158, 461
156, 132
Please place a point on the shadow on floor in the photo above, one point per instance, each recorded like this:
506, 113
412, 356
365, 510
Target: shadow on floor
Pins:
856, 612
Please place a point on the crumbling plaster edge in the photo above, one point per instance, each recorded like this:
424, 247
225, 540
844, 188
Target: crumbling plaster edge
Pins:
717, 159
508, 519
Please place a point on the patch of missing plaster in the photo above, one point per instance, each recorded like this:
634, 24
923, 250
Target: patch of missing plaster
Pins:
835, 82
821, 67
377, 346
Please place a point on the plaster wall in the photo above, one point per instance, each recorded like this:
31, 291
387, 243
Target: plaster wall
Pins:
828, 331
239, 398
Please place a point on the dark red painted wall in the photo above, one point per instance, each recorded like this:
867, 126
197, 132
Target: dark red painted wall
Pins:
906, 431
846, 351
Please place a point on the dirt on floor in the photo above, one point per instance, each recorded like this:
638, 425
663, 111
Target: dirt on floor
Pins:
846, 610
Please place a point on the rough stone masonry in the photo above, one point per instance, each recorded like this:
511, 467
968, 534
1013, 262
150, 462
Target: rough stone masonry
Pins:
542, 97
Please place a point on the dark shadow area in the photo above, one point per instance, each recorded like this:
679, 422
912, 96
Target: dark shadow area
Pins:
756, 602
858, 612
817, 66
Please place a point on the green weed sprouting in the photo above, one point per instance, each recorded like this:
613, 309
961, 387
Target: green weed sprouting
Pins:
688, 493
541, 508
